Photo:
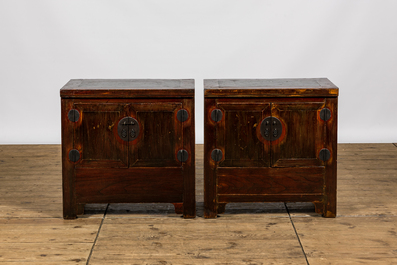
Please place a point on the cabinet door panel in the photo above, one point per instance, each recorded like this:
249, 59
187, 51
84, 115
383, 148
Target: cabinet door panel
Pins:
160, 135
238, 134
96, 135
303, 137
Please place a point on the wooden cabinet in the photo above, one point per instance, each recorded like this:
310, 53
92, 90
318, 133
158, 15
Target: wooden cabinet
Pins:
270, 140
128, 141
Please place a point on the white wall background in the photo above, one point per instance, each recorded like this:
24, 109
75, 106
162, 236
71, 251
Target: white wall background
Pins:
44, 43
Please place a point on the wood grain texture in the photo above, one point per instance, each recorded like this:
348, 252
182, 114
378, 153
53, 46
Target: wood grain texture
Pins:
160, 135
98, 124
254, 88
303, 135
144, 169
189, 167
47, 240
129, 185
238, 133
128, 88
331, 142
33, 231
198, 241
365, 240
270, 137
270, 181
210, 177
69, 202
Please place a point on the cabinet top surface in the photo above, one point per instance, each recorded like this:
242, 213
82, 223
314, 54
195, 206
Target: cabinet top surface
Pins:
128, 88
297, 87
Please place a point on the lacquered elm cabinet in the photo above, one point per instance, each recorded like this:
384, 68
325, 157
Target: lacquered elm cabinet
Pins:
128, 141
270, 140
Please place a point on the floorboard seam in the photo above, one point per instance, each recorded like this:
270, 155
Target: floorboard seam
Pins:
296, 233
97, 235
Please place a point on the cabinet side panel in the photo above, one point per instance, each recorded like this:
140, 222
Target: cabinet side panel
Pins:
331, 143
69, 202
210, 204
189, 167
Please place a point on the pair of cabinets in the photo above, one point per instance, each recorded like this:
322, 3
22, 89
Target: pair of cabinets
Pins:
133, 141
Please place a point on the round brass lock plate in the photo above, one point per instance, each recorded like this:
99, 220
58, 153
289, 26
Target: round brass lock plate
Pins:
128, 129
271, 128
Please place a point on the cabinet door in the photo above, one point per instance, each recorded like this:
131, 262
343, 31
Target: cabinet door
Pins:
160, 137
238, 133
303, 133
95, 135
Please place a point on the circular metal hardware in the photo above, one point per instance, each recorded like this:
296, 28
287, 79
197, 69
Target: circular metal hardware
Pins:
325, 154
273, 125
124, 133
128, 124
216, 115
216, 155
73, 115
182, 155
74, 155
325, 114
182, 115
133, 133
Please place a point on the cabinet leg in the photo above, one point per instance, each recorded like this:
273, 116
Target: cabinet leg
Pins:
319, 207
69, 212
210, 199
210, 203
80, 209
70, 209
188, 207
330, 209
178, 208
221, 208
210, 207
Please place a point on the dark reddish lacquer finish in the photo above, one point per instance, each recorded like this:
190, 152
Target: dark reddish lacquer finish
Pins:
255, 169
144, 169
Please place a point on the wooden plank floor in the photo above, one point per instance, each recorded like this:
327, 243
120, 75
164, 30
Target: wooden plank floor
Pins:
32, 229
